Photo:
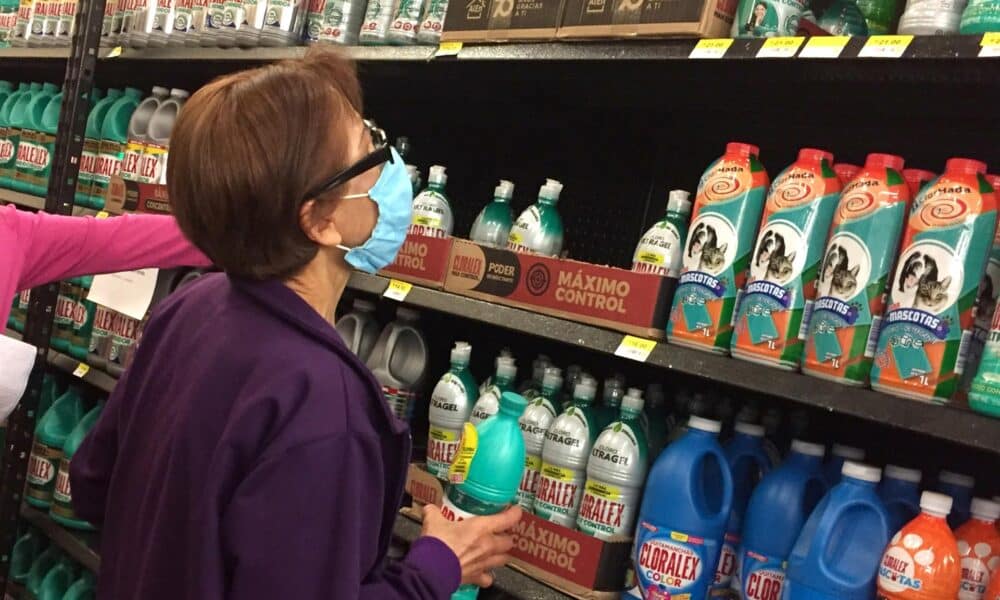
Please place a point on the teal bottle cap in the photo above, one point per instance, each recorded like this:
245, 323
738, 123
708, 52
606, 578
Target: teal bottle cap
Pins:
50, 87
513, 404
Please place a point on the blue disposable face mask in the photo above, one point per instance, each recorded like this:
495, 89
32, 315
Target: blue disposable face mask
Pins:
394, 196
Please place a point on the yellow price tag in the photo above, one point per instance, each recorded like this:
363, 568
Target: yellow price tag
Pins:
990, 45
81, 370
825, 46
397, 290
459, 469
115, 52
448, 49
780, 47
103, 215
885, 46
711, 48
635, 348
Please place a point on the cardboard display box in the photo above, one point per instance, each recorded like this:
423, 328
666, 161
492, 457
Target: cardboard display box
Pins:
131, 196
502, 20
422, 260
646, 18
635, 303
574, 563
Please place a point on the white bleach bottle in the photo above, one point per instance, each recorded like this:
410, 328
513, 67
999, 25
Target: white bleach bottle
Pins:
451, 404
489, 402
535, 422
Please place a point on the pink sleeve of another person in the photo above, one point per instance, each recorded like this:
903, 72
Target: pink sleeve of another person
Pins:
51, 247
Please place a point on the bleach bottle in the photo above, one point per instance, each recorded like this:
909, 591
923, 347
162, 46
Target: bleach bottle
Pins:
535, 423
489, 401
539, 229
900, 491
616, 472
83, 588
960, 488
138, 132
432, 216
42, 166
44, 562
921, 562
716, 260
399, 362
62, 510
777, 510
26, 550
31, 155
837, 554
748, 464
609, 411
689, 495
9, 135
50, 436
451, 404
979, 549
358, 328
924, 343
114, 135
840, 454
493, 224
153, 167
660, 248
91, 145
57, 580
486, 472
564, 458
531, 388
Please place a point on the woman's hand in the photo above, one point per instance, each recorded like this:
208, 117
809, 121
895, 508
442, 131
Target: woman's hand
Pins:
480, 543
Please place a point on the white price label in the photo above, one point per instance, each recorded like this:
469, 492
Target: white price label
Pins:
711, 48
825, 46
81, 370
989, 47
885, 46
635, 348
780, 47
397, 290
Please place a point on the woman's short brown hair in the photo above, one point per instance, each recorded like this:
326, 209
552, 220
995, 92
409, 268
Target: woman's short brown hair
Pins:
246, 149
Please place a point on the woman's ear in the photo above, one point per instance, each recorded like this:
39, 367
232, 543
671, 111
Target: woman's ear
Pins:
318, 224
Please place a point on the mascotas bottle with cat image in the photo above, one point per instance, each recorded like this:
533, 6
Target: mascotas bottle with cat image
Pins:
716, 256
773, 315
857, 262
924, 343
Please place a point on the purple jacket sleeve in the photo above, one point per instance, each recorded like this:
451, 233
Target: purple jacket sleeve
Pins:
305, 524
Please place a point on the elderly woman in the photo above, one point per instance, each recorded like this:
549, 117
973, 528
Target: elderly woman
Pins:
247, 453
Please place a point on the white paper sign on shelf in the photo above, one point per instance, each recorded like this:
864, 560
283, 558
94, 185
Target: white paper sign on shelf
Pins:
128, 292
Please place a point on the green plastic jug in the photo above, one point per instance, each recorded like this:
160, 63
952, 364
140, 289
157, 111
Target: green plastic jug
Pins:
50, 391
91, 145
31, 155
82, 588
57, 580
47, 142
50, 437
83, 320
44, 563
62, 497
11, 120
26, 550
114, 135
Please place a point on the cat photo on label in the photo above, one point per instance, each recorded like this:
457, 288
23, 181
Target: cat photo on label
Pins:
710, 246
774, 258
924, 278
845, 264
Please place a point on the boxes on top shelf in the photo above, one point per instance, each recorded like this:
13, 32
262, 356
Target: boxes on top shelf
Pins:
502, 20
646, 18
421, 259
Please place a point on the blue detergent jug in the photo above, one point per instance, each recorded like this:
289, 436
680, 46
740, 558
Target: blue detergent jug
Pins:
840, 454
900, 492
838, 552
778, 509
689, 495
960, 488
748, 464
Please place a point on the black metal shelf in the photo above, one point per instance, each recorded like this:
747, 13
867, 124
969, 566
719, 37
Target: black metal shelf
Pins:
94, 376
944, 47
81, 546
508, 583
953, 423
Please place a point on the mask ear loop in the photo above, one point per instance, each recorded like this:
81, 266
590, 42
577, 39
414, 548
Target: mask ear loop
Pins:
351, 197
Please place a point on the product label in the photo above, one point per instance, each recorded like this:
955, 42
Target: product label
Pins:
773, 18
129, 168
607, 510
559, 493
659, 251
976, 573
9, 138
32, 155
442, 444
918, 563
453, 512
100, 335
401, 402
529, 481
433, 23
375, 26
856, 265
109, 162
67, 14
467, 447
407, 19
62, 495
785, 263
88, 162
672, 564
717, 253
926, 332
431, 215
182, 17
42, 467
760, 577
449, 403
724, 573
487, 405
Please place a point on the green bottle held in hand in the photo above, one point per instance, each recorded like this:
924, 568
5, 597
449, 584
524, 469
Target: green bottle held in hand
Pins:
487, 470
492, 226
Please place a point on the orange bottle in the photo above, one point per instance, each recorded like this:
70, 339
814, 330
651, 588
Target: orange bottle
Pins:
993, 592
921, 562
979, 549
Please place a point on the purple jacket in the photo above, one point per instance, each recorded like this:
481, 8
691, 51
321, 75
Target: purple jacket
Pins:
249, 454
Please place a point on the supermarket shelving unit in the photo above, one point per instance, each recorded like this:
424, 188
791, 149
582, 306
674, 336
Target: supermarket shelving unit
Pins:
620, 122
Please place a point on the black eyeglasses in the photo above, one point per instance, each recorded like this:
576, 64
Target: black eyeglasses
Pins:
381, 155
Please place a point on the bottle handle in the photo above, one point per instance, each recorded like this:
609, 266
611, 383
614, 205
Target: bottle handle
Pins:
823, 532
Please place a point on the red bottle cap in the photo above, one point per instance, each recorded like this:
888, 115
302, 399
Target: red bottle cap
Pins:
882, 161
846, 171
815, 155
915, 178
965, 165
742, 149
